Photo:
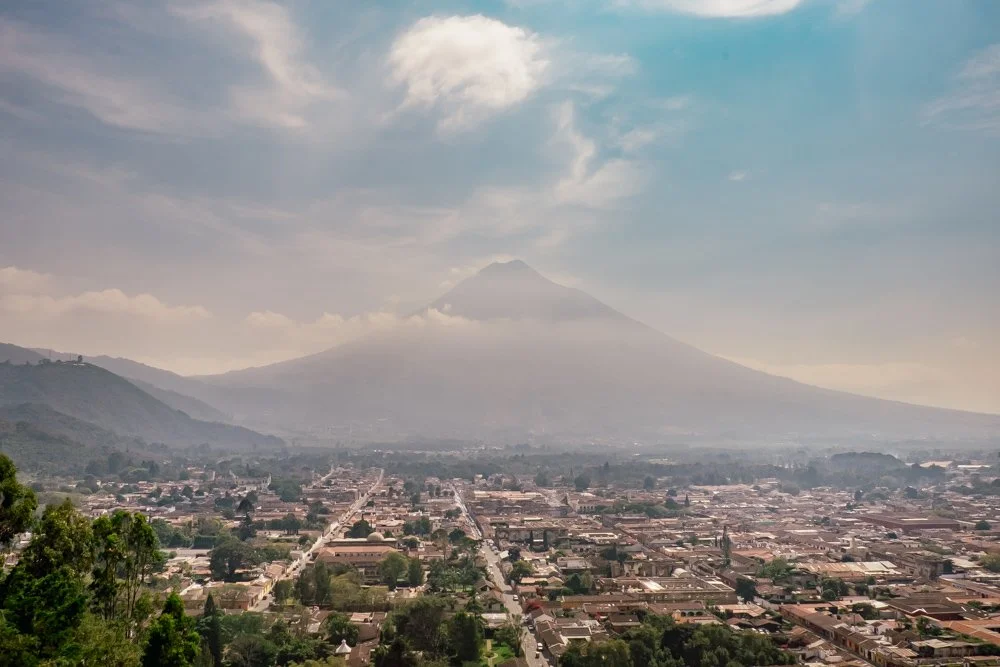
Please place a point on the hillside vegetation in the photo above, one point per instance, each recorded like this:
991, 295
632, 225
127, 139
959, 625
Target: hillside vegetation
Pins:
92, 394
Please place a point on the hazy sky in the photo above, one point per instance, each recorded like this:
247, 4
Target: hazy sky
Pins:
807, 186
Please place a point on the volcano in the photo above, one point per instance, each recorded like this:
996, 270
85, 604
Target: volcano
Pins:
508, 354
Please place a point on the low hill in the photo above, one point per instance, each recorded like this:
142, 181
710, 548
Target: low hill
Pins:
56, 423
175, 390
97, 396
36, 449
18, 355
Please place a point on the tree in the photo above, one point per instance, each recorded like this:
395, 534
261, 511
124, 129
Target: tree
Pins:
777, 570
927, 628
982, 524
415, 572
288, 490
246, 506
541, 479
17, 503
210, 629
509, 635
519, 570
419, 624
228, 557
40, 612
63, 538
322, 588
291, 524
990, 562
456, 535
360, 529
172, 640
338, 628
465, 634
746, 588
126, 554
392, 568
727, 547
96, 642
282, 590
246, 529
649, 483
581, 483
251, 651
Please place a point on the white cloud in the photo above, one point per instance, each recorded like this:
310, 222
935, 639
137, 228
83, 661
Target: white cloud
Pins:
718, 8
76, 80
984, 64
23, 281
975, 104
291, 84
738, 175
105, 302
675, 103
588, 185
638, 138
471, 67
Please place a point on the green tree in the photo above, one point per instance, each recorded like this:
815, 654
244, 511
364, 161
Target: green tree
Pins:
982, 524
392, 568
776, 570
246, 529
282, 590
172, 639
96, 642
465, 634
251, 651
414, 572
322, 588
990, 562
228, 557
509, 634
746, 588
519, 570
291, 524
419, 623
63, 538
126, 554
17, 504
338, 628
43, 612
305, 588
360, 529
727, 547
581, 483
210, 629
649, 483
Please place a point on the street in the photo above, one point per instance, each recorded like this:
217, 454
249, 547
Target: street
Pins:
303, 560
528, 640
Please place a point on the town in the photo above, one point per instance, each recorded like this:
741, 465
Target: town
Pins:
406, 557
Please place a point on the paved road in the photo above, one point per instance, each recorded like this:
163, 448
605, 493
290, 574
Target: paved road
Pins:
304, 559
528, 640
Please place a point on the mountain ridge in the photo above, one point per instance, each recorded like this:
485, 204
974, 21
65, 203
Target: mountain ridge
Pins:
528, 357
98, 397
